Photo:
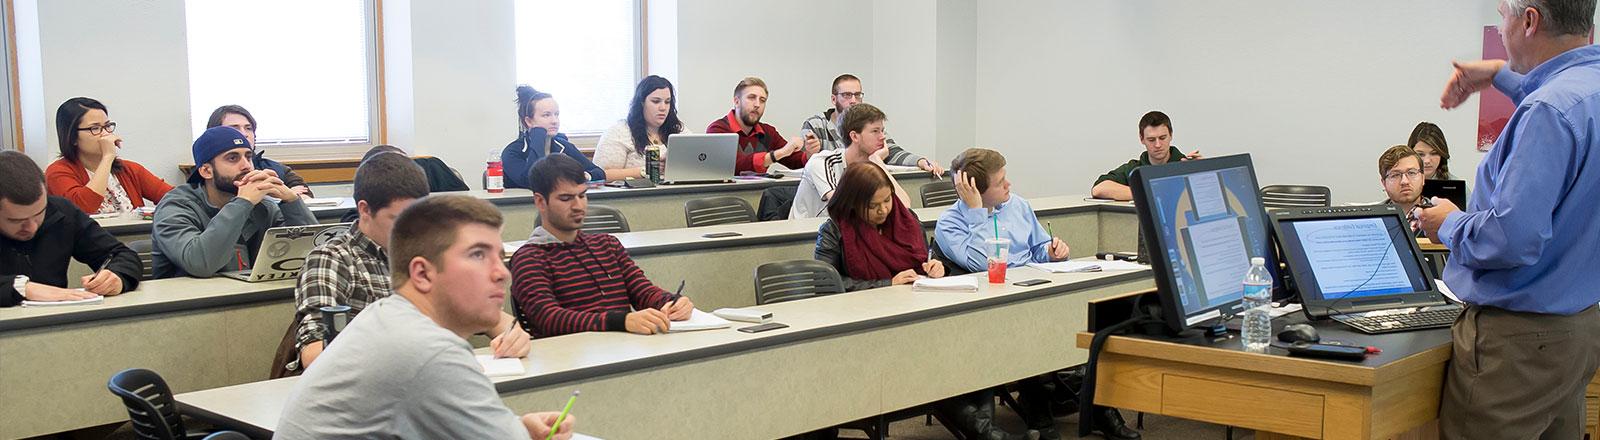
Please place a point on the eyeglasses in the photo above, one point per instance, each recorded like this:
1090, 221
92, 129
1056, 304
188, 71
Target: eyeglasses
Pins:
1411, 174
110, 126
856, 95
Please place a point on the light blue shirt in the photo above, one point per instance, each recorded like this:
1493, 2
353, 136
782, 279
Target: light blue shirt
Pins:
961, 232
1531, 243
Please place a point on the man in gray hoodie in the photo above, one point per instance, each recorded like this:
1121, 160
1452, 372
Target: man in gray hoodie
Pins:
217, 221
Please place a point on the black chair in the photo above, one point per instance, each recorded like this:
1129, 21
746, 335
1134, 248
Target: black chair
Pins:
939, 193
602, 219
144, 248
775, 203
1296, 196
711, 211
794, 280
150, 406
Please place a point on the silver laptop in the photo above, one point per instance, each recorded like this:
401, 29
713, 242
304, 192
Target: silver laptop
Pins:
700, 158
284, 249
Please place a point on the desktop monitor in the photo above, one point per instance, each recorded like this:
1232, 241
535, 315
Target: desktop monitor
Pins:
1202, 221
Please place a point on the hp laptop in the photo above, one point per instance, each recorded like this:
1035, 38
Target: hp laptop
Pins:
700, 158
284, 249
1361, 266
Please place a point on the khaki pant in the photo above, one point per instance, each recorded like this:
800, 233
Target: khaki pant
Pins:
1519, 375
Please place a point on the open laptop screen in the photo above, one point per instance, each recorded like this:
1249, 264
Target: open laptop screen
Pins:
1347, 260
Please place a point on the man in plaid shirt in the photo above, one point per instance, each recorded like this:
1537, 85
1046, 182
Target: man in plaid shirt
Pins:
352, 269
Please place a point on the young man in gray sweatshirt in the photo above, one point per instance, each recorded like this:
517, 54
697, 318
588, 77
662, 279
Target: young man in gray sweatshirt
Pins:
216, 222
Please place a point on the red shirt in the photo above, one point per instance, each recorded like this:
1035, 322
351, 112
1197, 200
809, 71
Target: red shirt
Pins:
67, 179
753, 146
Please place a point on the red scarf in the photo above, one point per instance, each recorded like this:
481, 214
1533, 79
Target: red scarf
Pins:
871, 255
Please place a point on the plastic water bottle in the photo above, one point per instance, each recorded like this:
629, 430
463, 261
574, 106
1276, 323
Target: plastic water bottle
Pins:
494, 174
1257, 326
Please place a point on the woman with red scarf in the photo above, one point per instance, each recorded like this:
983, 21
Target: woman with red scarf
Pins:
874, 240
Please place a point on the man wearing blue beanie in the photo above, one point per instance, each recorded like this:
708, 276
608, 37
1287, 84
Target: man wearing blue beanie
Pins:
216, 222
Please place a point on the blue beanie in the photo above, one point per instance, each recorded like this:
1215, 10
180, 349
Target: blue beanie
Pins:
213, 142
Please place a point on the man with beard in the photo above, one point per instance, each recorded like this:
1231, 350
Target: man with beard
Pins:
217, 221
760, 145
825, 127
1400, 171
568, 281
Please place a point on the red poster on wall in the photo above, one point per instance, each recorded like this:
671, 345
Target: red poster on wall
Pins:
1494, 108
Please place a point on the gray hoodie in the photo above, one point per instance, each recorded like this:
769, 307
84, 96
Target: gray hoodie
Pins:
192, 238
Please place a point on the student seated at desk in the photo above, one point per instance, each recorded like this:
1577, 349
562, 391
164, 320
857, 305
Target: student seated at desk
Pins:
652, 118
89, 173
864, 126
760, 145
569, 281
404, 367
1155, 132
986, 202
1400, 172
1428, 141
352, 269
216, 223
39, 235
824, 127
541, 137
240, 119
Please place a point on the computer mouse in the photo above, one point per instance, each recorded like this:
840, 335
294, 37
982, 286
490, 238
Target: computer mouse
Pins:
1299, 333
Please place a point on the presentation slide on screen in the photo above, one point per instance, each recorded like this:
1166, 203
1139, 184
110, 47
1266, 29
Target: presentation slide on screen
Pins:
1352, 257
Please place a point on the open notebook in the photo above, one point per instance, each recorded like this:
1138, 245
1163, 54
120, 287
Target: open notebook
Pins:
962, 283
699, 320
97, 299
494, 367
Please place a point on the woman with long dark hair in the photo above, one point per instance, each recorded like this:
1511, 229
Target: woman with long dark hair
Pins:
652, 117
1428, 141
540, 136
89, 173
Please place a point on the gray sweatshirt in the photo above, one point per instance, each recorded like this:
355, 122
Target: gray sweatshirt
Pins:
192, 238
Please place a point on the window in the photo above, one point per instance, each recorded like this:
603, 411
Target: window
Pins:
304, 68
586, 53
10, 138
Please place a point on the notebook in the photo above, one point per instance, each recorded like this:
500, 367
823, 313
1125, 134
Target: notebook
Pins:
1068, 266
97, 299
699, 320
946, 284
1121, 265
494, 367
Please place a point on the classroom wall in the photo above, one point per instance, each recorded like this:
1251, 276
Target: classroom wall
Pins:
1313, 90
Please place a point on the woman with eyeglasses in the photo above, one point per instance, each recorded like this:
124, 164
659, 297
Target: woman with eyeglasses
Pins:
89, 172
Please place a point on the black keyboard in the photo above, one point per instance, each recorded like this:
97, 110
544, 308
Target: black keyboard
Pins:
1436, 317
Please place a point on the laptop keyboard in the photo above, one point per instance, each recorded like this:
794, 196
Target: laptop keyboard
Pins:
1399, 322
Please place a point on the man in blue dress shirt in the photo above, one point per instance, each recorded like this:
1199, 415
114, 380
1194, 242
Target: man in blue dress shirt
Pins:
1524, 258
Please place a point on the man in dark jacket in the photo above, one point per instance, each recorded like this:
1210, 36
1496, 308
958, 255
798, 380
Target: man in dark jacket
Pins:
39, 235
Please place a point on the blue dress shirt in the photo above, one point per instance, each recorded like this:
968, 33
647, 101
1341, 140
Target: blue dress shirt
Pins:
961, 232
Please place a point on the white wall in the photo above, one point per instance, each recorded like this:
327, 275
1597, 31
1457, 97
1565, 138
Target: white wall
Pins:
1313, 90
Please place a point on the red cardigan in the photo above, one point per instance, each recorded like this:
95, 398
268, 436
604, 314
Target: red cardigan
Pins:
67, 179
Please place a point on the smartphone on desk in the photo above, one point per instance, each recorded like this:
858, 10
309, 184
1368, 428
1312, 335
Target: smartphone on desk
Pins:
763, 327
721, 235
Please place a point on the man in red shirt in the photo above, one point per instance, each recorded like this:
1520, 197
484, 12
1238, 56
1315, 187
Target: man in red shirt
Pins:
760, 145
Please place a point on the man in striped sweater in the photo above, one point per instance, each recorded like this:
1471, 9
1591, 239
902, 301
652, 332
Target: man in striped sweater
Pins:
567, 281
825, 127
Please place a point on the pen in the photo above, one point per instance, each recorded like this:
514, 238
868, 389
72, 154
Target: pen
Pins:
557, 426
1051, 245
677, 294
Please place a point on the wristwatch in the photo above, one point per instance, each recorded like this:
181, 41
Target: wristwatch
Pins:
21, 284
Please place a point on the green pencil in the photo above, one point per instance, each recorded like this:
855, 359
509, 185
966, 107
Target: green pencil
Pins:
563, 416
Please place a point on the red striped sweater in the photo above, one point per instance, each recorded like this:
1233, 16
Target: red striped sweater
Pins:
588, 284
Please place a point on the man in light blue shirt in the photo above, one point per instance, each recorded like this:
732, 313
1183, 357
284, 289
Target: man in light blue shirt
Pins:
1524, 258
987, 202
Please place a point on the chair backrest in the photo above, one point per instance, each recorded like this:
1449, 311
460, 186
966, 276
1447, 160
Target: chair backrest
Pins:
150, 406
1296, 196
795, 279
602, 219
712, 211
227, 435
776, 202
144, 248
950, 266
939, 193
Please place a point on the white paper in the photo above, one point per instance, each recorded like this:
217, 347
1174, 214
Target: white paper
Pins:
1206, 190
1220, 256
322, 202
699, 320
511, 248
1121, 265
1068, 266
1350, 255
580, 436
946, 284
1445, 289
493, 367
97, 299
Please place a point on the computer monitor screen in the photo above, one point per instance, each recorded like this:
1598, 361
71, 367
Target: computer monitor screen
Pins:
1353, 259
1203, 221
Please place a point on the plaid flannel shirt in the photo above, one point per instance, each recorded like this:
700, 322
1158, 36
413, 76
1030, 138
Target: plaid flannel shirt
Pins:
349, 270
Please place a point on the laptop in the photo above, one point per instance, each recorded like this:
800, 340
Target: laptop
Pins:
1361, 266
284, 249
1453, 190
700, 158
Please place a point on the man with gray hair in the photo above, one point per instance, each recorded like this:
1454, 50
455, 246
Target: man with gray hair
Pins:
1522, 258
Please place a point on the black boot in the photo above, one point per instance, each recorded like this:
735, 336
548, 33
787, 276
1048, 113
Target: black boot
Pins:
1033, 397
1108, 422
974, 415
1064, 386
